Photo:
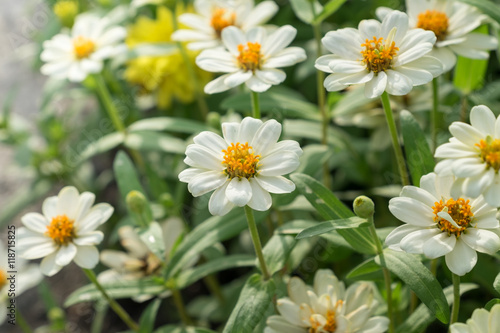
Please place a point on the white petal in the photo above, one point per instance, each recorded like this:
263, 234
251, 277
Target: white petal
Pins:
99, 214
482, 119
36, 250
87, 256
271, 76
418, 194
235, 79
194, 21
439, 245
206, 182
219, 204
369, 29
284, 58
216, 60
91, 238
412, 211
48, 265
297, 291
202, 157
247, 129
261, 199
357, 78
65, 254
217, 85
231, 38
465, 133
76, 73
398, 84
85, 202
277, 184
230, 132
239, 191
398, 20
290, 311
413, 53
266, 137
278, 40
414, 242
467, 52
211, 140
484, 241
35, 222
344, 42
290, 145
462, 259
417, 76
260, 14
67, 203
475, 186
186, 175
445, 56
49, 208
376, 86
278, 164
394, 238
468, 167
257, 85
492, 192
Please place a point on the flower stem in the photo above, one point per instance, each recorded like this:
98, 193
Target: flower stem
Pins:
456, 298
23, 324
179, 304
395, 141
435, 112
255, 105
387, 274
256, 242
104, 94
112, 303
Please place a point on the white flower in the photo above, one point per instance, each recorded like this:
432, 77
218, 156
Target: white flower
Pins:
215, 15
82, 52
65, 231
452, 23
473, 156
439, 224
384, 56
481, 321
26, 276
251, 59
243, 167
328, 307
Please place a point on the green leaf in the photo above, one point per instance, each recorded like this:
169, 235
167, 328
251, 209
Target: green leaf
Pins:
367, 270
145, 140
177, 329
304, 10
153, 238
213, 230
487, 7
422, 316
103, 144
147, 321
331, 208
254, 300
418, 154
190, 276
496, 283
176, 125
330, 8
492, 303
276, 252
419, 279
296, 226
307, 129
116, 289
313, 158
470, 73
324, 227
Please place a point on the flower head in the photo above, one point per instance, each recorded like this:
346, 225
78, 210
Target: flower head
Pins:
242, 167
213, 16
65, 231
74, 56
384, 56
251, 58
452, 23
473, 156
440, 224
327, 308
482, 321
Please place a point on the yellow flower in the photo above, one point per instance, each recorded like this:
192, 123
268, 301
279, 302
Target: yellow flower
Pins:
66, 11
165, 76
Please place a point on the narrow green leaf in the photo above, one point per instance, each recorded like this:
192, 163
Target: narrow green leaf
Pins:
177, 329
176, 125
153, 238
324, 227
368, 268
330, 8
422, 316
492, 303
254, 300
331, 208
99, 146
418, 154
419, 279
313, 158
304, 10
147, 321
276, 252
190, 276
147, 140
496, 283
116, 289
487, 7
296, 226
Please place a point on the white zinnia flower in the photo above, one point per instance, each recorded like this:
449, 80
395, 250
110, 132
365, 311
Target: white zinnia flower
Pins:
384, 56
251, 59
481, 321
439, 224
82, 52
473, 156
243, 167
215, 15
328, 307
65, 231
452, 23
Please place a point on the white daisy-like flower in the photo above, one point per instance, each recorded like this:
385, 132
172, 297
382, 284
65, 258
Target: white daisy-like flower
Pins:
383, 56
243, 167
482, 321
82, 52
213, 16
327, 308
65, 231
16, 276
452, 23
472, 155
440, 224
251, 58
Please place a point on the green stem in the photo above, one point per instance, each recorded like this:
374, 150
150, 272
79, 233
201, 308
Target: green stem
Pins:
463, 110
255, 105
104, 94
387, 274
395, 141
456, 298
23, 324
179, 304
435, 112
256, 242
112, 303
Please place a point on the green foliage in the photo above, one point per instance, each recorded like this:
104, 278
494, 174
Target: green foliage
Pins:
147, 321
324, 227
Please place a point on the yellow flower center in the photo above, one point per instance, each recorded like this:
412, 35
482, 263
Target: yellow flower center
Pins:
249, 58
222, 18
3, 279
331, 324
83, 47
61, 230
460, 212
434, 21
490, 152
240, 161
378, 54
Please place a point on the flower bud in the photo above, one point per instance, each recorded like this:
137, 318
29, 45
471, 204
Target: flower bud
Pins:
213, 119
66, 11
364, 207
